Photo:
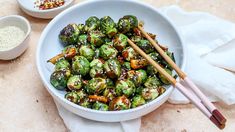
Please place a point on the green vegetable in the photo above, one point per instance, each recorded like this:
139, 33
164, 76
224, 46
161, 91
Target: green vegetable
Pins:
72, 97
95, 86
108, 52
87, 52
96, 62
85, 103
74, 82
145, 45
129, 53
100, 106
137, 101
152, 82
112, 68
125, 87
163, 79
127, 23
82, 39
92, 23
96, 38
120, 41
109, 92
69, 34
150, 93
120, 103
108, 26
80, 65
138, 77
59, 78
126, 65
96, 72
62, 64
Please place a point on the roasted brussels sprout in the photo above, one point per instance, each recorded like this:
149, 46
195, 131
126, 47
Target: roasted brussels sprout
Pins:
87, 52
96, 86
129, 53
96, 38
138, 63
69, 34
136, 101
69, 51
120, 103
92, 23
108, 26
125, 87
72, 97
151, 70
150, 93
127, 23
81, 28
74, 82
109, 92
112, 68
126, 65
109, 82
120, 41
82, 95
100, 106
152, 82
80, 65
62, 64
138, 77
108, 52
155, 56
163, 79
145, 45
59, 78
85, 103
82, 39
97, 62
139, 90
136, 39
96, 71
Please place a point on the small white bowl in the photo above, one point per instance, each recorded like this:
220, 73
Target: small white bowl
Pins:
22, 23
29, 8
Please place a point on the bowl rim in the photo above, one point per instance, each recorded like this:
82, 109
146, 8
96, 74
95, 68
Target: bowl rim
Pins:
67, 3
53, 91
26, 34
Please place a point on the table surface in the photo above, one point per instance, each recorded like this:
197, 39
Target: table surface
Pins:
25, 105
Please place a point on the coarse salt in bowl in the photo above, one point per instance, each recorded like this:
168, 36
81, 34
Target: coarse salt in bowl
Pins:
14, 34
49, 45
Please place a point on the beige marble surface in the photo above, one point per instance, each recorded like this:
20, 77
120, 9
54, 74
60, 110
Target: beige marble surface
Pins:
25, 105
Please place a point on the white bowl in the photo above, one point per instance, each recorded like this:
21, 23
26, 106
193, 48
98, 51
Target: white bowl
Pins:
28, 7
22, 23
49, 46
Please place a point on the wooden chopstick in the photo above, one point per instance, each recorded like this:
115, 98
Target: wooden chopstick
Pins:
182, 75
176, 84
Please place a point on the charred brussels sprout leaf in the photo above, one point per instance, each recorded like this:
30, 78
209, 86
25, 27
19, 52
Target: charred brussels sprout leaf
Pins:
72, 97
59, 78
69, 34
92, 23
74, 82
96, 38
120, 103
70, 51
125, 87
62, 64
87, 52
108, 26
108, 52
112, 68
152, 82
120, 41
100, 106
80, 65
145, 45
96, 86
150, 93
137, 101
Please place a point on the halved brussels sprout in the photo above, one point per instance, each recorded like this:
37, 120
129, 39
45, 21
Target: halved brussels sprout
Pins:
92, 23
155, 56
136, 101
109, 92
97, 62
108, 52
129, 53
138, 63
59, 78
125, 87
112, 68
69, 51
72, 97
96, 71
74, 82
152, 81
62, 64
80, 65
132, 19
85, 103
150, 93
100, 106
69, 34
87, 52
96, 38
127, 23
96, 86
163, 79
120, 41
138, 77
120, 103
108, 26
82, 39
145, 45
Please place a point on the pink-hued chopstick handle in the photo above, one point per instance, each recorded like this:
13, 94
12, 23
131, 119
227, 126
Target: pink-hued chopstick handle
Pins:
193, 99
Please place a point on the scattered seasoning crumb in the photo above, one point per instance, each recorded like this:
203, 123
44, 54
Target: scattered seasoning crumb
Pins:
37, 101
178, 111
10, 36
48, 4
46, 111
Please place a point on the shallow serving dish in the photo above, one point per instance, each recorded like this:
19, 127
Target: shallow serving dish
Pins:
156, 23
29, 8
22, 23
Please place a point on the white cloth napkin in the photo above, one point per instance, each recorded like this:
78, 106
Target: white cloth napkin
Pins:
208, 51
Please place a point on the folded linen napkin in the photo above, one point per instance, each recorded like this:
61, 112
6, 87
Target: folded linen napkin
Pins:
206, 38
